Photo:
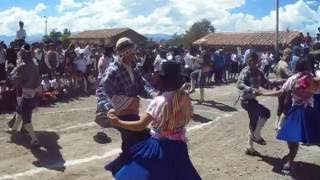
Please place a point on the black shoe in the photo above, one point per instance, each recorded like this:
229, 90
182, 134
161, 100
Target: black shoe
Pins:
252, 152
259, 141
102, 138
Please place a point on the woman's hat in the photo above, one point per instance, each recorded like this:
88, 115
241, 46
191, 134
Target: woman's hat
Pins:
168, 68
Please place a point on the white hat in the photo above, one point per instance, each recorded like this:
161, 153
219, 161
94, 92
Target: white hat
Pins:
124, 43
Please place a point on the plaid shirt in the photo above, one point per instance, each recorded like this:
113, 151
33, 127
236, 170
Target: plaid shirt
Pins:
249, 82
116, 81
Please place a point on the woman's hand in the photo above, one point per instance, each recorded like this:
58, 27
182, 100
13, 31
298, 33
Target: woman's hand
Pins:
114, 120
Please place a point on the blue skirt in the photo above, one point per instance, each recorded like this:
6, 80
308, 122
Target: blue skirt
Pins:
302, 125
155, 159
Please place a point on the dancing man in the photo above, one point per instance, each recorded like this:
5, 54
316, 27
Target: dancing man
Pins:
118, 92
27, 77
250, 80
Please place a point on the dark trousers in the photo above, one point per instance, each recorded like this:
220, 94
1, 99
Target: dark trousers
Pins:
26, 108
3, 72
255, 111
218, 75
130, 138
200, 77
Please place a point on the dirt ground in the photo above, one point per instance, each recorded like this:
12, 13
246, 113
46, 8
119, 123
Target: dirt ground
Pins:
217, 139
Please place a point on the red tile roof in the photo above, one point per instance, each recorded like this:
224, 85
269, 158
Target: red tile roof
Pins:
98, 34
249, 38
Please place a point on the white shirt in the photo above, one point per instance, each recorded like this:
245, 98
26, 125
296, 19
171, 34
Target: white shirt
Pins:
191, 62
21, 34
81, 64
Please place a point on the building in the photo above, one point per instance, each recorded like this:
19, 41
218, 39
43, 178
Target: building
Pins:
244, 40
107, 36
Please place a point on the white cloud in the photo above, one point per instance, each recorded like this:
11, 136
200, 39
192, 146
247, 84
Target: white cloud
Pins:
68, 4
40, 7
168, 16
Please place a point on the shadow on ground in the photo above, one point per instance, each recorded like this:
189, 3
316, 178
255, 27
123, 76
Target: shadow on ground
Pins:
219, 106
48, 155
201, 119
302, 171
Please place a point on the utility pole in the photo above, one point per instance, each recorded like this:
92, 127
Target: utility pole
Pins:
277, 32
46, 26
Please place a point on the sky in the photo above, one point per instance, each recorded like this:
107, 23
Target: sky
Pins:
157, 16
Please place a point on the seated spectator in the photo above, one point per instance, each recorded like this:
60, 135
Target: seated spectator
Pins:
47, 94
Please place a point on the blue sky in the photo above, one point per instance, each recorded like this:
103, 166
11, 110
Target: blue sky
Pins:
157, 16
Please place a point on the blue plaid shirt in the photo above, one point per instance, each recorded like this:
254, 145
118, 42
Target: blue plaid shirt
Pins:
116, 81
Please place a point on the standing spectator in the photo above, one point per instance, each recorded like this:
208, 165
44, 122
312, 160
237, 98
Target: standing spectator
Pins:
21, 35
81, 64
219, 64
52, 60
234, 67
11, 55
2, 62
284, 101
295, 58
70, 56
104, 61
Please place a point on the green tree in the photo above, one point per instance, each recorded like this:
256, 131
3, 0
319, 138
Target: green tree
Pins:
57, 36
65, 37
196, 31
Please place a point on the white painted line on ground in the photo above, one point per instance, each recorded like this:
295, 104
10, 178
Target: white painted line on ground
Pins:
57, 112
66, 164
111, 153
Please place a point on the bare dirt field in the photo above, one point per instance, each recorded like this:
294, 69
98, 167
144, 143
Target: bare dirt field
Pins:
217, 139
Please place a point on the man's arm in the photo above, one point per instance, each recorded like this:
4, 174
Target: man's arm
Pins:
105, 90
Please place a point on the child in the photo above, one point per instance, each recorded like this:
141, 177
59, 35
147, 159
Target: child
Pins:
302, 123
165, 154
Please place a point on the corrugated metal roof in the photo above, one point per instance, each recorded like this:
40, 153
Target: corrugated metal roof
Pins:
248, 38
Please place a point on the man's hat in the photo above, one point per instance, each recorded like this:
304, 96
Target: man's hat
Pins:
124, 43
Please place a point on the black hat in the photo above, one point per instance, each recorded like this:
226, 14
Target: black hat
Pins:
168, 68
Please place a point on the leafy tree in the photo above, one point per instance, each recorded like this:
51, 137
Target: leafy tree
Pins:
57, 36
196, 31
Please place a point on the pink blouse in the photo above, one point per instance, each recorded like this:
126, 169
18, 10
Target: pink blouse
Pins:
171, 112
